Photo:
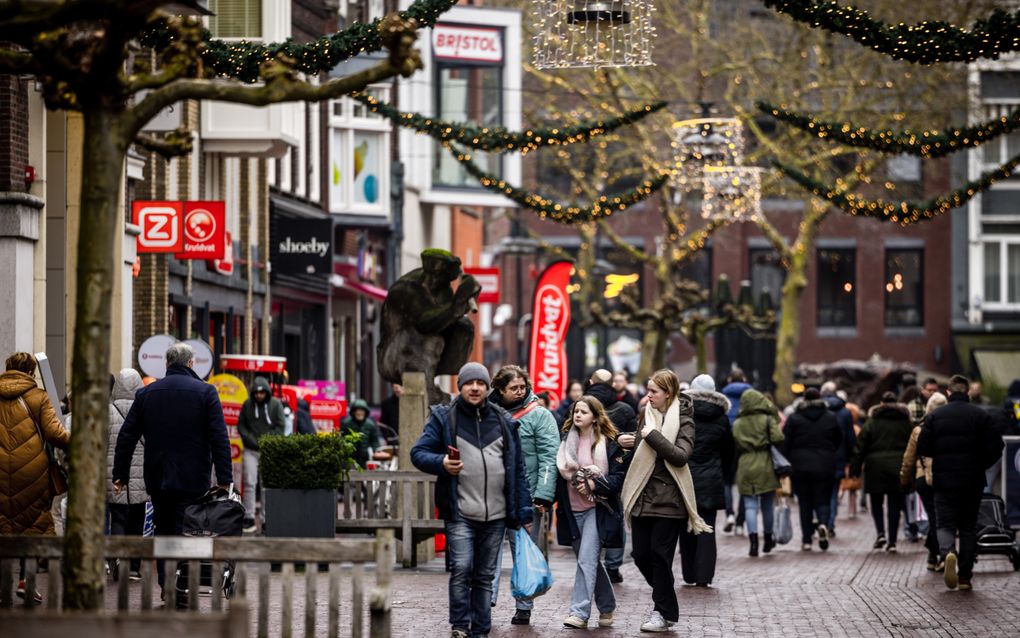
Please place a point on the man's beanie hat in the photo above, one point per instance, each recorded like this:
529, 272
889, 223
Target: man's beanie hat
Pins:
472, 371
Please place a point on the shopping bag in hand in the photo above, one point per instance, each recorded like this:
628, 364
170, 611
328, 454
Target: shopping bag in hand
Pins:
784, 524
531, 576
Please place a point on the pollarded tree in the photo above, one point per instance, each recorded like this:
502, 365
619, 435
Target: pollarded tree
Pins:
82, 53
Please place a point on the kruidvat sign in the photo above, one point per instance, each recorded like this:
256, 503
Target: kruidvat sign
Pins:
550, 321
467, 44
302, 246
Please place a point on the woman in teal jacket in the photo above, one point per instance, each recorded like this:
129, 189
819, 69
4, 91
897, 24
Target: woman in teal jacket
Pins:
540, 440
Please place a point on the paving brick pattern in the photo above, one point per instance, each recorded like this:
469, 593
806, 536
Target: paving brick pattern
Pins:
850, 590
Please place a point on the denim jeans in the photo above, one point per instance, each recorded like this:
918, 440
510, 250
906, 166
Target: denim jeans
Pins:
768, 511
834, 505
250, 475
472, 549
536, 531
590, 580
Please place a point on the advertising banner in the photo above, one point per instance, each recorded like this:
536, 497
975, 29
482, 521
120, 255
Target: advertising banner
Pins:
549, 324
302, 246
160, 226
1011, 480
233, 394
467, 43
204, 230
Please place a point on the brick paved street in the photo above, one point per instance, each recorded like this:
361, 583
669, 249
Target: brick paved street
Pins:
848, 591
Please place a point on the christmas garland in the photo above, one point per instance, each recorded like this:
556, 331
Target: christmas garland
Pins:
561, 213
928, 42
242, 59
929, 144
903, 213
499, 139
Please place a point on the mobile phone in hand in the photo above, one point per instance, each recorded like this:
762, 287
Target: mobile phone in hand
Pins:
453, 453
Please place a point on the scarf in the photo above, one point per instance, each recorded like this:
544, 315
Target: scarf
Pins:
570, 469
643, 463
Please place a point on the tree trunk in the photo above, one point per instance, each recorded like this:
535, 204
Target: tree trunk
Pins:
699, 348
787, 336
653, 353
102, 170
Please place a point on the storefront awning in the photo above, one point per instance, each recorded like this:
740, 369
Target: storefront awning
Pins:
998, 366
373, 292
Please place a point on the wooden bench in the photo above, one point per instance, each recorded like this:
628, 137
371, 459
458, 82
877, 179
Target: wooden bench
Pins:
400, 500
253, 559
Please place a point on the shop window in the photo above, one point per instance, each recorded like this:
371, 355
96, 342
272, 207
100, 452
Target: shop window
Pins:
904, 288
837, 288
358, 167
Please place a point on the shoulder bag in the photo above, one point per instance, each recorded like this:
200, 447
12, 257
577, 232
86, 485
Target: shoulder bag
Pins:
57, 473
780, 465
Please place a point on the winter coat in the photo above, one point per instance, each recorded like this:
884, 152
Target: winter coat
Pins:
181, 418
756, 427
303, 421
259, 419
960, 439
25, 496
880, 447
713, 452
608, 514
367, 428
127, 383
845, 420
812, 438
428, 452
540, 438
913, 466
619, 412
733, 392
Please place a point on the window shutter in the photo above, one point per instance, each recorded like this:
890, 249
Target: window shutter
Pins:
236, 19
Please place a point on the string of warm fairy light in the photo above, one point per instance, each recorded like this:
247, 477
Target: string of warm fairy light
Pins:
549, 209
928, 42
498, 138
926, 143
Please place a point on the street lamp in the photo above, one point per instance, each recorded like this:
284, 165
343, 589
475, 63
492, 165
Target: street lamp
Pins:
572, 34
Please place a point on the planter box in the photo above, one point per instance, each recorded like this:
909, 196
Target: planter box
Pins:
300, 513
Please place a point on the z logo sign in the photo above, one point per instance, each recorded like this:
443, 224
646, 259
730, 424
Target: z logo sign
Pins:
160, 226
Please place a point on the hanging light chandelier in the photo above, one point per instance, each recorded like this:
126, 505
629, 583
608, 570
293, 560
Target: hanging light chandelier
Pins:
592, 33
704, 143
731, 191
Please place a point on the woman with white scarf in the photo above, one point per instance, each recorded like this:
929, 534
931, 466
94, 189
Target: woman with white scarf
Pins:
589, 516
658, 493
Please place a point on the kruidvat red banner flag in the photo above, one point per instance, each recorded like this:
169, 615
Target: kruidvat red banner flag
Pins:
550, 321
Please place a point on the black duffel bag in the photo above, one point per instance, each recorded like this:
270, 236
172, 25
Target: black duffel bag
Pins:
217, 513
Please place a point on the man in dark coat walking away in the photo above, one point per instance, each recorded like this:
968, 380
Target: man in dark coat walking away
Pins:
710, 462
812, 438
181, 418
600, 386
482, 489
962, 443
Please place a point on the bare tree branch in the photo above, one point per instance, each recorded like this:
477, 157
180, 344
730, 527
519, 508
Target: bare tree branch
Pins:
174, 144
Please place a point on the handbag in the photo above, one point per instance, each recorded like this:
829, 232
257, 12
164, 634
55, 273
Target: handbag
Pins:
57, 472
784, 523
531, 576
216, 513
780, 465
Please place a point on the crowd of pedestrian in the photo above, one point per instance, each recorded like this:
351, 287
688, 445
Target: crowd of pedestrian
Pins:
663, 465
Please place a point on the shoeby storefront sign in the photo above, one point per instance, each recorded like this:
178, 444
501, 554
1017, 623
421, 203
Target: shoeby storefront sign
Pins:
189, 230
302, 246
550, 321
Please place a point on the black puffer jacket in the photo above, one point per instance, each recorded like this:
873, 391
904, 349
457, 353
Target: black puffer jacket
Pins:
961, 442
712, 458
813, 437
619, 412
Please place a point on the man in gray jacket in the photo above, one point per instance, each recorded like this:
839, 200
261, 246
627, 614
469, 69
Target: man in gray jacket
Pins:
261, 414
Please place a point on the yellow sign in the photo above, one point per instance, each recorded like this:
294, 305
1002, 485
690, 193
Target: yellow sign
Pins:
230, 388
616, 283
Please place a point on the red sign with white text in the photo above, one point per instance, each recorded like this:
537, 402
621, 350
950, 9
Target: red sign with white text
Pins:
203, 230
488, 278
550, 321
225, 266
160, 224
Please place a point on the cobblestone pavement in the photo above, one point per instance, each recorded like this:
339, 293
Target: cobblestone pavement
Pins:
850, 590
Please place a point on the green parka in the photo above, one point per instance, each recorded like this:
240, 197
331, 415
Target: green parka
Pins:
880, 447
755, 428
540, 439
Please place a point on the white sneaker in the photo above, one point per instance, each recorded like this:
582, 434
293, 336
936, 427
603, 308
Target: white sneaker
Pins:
606, 620
575, 622
656, 623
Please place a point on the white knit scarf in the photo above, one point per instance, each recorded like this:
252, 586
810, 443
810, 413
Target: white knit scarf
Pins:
643, 463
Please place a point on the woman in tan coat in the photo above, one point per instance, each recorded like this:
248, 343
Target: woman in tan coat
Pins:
915, 474
25, 410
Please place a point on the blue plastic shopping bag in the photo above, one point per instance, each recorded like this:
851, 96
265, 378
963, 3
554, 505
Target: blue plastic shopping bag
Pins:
531, 576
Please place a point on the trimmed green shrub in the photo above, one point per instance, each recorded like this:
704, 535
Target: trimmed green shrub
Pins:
306, 461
